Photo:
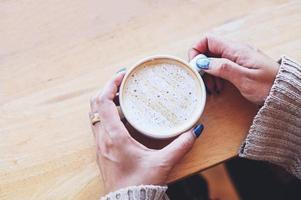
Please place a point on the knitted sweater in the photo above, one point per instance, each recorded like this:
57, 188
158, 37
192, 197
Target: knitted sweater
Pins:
274, 136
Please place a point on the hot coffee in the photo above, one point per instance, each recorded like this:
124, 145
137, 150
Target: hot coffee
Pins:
162, 96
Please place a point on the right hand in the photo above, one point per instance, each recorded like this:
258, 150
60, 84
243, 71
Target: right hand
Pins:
251, 71
122, 160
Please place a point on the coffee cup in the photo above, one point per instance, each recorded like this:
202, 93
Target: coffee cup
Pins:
163, 96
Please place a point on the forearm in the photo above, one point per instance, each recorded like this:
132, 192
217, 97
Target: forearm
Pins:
142, 192
275, 135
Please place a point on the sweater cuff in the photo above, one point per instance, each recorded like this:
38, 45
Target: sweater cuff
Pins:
275, 135
142, 192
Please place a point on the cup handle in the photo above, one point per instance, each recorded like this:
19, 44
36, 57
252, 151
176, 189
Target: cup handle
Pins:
193, 63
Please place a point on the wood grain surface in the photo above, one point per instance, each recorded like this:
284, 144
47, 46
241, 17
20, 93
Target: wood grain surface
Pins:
55, 54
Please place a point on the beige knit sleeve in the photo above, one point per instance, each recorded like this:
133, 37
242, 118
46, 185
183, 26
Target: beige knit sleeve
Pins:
142, 192
275, 135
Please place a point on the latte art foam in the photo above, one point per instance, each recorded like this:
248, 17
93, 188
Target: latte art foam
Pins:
161, 97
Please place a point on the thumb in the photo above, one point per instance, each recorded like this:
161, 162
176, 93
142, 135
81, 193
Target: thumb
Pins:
181, 145
223, 68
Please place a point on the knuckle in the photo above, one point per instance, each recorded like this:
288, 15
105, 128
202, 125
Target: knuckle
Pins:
115, 128
105, 147
116, 82
108, 144
210, 36
100, 100
187, 144
106, 154
225, 66
207, 36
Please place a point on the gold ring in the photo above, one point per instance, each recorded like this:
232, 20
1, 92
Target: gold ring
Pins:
94, 117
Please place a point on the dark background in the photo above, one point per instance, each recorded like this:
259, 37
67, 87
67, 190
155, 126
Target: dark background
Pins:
253, 180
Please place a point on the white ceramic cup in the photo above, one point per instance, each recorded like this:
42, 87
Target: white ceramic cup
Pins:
196, 71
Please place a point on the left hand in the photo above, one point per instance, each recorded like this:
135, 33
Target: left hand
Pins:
250, 70
122, 160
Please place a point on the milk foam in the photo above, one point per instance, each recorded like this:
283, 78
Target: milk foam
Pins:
161, 97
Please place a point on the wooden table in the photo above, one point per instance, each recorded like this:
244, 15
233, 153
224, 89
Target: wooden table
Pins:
55, 54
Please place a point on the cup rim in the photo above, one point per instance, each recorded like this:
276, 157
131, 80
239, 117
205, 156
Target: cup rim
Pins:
184, 128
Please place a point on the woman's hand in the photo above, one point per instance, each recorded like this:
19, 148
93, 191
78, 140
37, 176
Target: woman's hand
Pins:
122, 160
251, 71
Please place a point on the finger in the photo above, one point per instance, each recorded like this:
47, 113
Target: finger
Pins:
211, 43
192, 53
95, 124
96, 98
96, 128
181, 145
108, 111
226, 69
116, 99
112, 86
99, 135
208, 79
217, 46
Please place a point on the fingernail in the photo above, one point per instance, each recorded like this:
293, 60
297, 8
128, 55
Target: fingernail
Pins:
203, 63
121, 70
198, 130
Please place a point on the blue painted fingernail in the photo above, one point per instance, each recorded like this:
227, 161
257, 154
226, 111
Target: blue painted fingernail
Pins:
121, 70
203, 63
198, 130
